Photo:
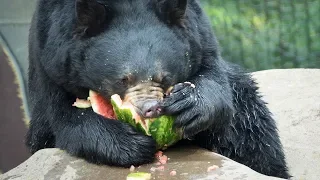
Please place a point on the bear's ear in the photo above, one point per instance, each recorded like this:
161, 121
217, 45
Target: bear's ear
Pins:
172, 11
90, 17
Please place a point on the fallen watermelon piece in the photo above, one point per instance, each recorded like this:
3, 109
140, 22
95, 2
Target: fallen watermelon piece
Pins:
139, 176
161, 128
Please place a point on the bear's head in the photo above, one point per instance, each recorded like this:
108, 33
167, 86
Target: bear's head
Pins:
137, 49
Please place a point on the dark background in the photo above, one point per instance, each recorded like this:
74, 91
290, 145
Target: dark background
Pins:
258, 34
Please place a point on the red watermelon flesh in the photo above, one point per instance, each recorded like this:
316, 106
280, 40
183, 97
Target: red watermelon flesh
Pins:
99, 104
103, 107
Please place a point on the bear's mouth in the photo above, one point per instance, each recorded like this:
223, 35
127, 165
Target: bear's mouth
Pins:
104, 107
98, 103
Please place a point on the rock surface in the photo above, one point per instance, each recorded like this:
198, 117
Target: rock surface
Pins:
192, 163
293, 97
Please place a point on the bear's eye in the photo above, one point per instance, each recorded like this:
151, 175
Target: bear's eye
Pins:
162, 78
172, 11
166, 81
125, 81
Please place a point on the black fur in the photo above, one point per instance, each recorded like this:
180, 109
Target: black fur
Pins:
77, 45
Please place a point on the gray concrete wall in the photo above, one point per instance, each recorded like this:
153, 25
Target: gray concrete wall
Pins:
15, 17
16, 11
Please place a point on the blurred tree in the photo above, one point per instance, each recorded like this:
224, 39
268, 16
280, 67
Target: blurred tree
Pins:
267, 34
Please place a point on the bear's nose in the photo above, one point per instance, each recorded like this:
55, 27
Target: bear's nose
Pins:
151, 109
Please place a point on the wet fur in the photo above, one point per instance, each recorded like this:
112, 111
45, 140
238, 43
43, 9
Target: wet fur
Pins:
223, 113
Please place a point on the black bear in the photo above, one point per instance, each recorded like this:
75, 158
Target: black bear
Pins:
140, 48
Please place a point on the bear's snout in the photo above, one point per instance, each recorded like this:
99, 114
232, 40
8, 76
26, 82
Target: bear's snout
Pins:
146, 98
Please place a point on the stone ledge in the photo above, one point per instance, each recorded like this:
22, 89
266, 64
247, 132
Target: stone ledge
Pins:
293, 97
192, 163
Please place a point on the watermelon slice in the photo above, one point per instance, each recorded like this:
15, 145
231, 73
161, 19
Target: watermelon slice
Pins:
99, 105
161, 128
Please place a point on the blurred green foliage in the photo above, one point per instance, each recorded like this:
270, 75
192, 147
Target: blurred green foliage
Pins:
267, 34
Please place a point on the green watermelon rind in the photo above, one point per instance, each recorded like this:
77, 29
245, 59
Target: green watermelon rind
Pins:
139, 175
161, 128
141, 129
123, 115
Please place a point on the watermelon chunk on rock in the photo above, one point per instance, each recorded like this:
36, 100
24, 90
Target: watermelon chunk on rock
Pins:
139, 176
161, 129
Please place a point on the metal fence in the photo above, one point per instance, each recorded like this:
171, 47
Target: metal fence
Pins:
267, 34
